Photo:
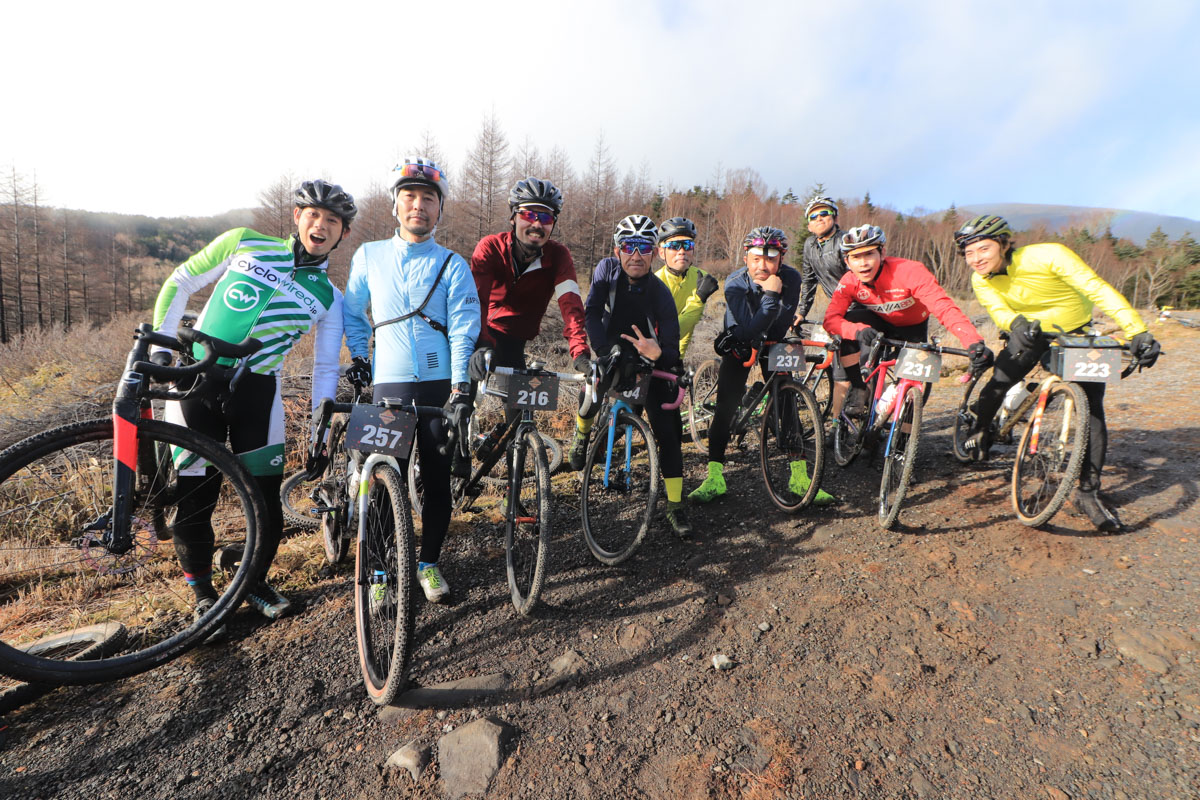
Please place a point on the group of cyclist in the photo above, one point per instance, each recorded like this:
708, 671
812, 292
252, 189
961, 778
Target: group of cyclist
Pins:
439, 320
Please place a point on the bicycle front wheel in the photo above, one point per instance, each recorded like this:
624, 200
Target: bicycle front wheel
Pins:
704, 403
820, 383
964, 420
64, 567
333, 494
792, 448
620, 489
900, 457
384, 577
1050, 455
527, 521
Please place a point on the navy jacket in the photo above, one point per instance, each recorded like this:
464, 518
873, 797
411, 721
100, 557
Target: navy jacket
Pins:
646, 303
757, 313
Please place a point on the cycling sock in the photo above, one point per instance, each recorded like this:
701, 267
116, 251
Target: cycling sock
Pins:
674, 489
424, 565
583, 425
201, 585
713, 486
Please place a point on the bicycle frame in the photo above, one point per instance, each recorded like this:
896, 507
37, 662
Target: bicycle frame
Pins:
615, 410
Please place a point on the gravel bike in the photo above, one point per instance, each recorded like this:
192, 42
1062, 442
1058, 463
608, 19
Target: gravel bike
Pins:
896, 390
86, 512
1051, 450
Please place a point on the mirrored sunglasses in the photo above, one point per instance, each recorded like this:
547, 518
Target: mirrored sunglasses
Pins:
824, 212
759, 241
681, 244
425, 171
631, 246
531, 216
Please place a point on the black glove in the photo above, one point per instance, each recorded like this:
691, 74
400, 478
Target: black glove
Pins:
477, 366
1025, 334
459, 407
981, 356
314, 465
1145, 349
359, 372
162, 358
706, 287
582, 363
866, 337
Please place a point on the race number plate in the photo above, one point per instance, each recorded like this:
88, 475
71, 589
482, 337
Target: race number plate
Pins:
785, 357
374, 429
1091, 364
919, 365
637, 395
535, 392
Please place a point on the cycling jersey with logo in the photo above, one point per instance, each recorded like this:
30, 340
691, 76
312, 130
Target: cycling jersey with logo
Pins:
260, 292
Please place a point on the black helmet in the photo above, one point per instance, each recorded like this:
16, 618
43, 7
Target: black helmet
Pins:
676, 226
766, 236
862, 237
985, 226
329, 196
535, 192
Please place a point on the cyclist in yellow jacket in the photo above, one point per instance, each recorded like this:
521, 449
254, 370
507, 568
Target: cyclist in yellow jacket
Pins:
1036, 287
690, 286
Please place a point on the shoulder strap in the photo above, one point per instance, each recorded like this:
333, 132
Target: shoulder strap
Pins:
420, 310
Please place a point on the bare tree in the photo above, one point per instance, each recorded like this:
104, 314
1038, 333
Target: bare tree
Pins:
16, 199
274, 216
484, 176
599, 190
37, 253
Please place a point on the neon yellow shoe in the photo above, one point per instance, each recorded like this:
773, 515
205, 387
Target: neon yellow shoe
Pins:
799, 483
713, 486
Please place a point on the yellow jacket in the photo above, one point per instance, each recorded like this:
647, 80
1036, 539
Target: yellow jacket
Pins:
687, 304
1049, 282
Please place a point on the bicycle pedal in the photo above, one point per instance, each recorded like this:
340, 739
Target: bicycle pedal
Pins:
317, 511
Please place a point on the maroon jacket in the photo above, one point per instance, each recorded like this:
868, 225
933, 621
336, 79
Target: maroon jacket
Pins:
515, 306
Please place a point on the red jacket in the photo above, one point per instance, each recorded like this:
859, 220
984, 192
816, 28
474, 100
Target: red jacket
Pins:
515, 306
903, 293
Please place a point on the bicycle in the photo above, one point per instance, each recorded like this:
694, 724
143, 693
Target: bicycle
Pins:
85, 510
917, 366
702, 402
527, 525
615, 521
1052, 447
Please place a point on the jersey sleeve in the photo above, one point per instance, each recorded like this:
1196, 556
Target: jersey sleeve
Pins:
1083, 279
691, 314
993, 302
808, 285
751, 323
835, 322
327, 351
354, 306
668, 326
203, 269
570, 304
931, 294
462, 305
484, 272
593, 310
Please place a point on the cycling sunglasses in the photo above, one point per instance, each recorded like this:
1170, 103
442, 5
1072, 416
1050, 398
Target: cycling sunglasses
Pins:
531, 216
759, 241
631, 246
824, 212
425, 171
682, 244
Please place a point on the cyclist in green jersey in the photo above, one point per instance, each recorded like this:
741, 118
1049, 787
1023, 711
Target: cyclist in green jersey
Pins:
275, 290
690, 286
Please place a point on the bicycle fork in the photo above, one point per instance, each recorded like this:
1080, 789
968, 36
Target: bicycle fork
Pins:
608, 453
1068, 413
116, 533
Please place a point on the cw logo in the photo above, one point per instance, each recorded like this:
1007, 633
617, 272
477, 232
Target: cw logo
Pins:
276, 461
241, 296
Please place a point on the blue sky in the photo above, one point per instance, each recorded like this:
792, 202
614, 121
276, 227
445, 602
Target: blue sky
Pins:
169, 109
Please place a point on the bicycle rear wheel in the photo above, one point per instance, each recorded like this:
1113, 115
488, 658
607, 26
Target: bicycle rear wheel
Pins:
848, 437
59, 573
900, 457
527, 521
295, 495
820, 383
94, 641
1050, 455
964, 420
704, 402
618, 498
384, 580
792, 446
333, 493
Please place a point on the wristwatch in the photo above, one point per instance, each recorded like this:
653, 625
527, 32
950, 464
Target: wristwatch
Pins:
461, 388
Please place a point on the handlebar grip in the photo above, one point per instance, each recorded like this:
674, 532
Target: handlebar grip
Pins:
220, 347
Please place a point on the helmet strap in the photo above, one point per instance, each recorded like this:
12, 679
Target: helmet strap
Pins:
301, 256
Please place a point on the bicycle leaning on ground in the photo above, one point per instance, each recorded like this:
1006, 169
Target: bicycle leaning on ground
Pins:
897, 387
1052, 448
86, 514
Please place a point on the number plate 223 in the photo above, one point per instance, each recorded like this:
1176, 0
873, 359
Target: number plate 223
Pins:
919, 365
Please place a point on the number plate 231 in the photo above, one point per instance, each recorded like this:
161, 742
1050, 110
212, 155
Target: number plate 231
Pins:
536, 392
373, 429
919, 365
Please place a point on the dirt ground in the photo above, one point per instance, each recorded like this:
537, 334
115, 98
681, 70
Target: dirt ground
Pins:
960, 656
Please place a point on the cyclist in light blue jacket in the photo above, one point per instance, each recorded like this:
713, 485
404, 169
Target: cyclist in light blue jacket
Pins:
425, 308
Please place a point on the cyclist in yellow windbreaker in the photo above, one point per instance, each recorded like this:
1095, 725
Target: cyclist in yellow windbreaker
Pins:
691, 287
1035, 287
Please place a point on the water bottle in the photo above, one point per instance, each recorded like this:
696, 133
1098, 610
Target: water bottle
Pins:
885, 400
1013, 399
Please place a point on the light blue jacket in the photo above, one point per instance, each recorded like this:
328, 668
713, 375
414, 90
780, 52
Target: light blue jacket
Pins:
391, 277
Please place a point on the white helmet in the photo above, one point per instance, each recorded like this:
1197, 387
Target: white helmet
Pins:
819, 200
418, 171
635, 226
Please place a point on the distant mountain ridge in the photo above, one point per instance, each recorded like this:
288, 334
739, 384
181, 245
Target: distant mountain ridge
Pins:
1133, 225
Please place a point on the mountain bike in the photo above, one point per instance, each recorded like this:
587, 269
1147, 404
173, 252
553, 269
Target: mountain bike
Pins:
1051, 450
527, 503
699, 404
86, 512
620, 479
897, 388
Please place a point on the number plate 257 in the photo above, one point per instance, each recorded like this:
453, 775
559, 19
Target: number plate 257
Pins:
919, 365
373, 429
536, 392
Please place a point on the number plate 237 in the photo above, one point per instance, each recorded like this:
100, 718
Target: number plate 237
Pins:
388, 431
919, 365
785, 357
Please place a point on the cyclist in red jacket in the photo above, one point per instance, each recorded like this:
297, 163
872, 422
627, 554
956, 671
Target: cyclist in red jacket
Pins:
517, 272
895, 297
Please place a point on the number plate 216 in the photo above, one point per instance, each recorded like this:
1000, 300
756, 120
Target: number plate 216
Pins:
374, 429
537, 392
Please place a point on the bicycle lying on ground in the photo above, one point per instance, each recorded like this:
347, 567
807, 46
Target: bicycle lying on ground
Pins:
896, 390
86, 512
1051, 450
